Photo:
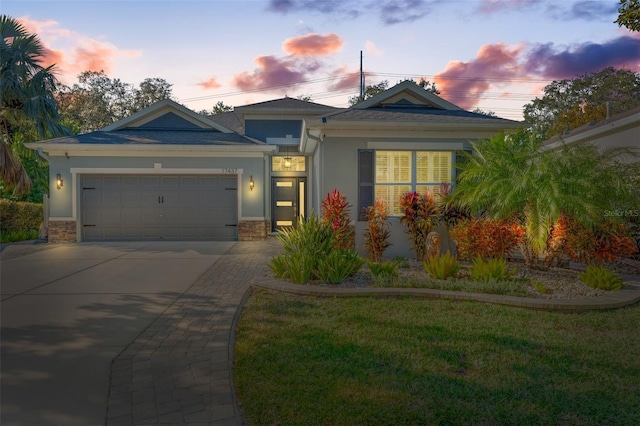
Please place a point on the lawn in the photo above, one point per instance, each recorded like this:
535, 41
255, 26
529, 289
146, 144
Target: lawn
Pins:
390, 361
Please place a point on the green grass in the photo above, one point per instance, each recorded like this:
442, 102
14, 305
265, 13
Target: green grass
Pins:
390, 361
15, 236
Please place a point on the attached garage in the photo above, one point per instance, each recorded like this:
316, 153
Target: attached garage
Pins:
158, 207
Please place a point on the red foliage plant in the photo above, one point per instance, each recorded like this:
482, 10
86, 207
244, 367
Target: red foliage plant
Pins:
596, 244
487, 238
336, 211
376, 235
420, 213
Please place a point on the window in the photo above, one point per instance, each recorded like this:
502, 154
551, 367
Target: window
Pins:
395, 173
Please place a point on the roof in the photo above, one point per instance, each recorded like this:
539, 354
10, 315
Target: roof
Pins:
405, 112
134, 136
286, 105
228, 119
616, 123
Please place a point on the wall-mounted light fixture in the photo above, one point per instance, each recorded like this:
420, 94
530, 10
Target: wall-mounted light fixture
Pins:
287, 162
59, 181
251, 183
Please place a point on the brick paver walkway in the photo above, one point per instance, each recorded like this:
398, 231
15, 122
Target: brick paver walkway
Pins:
178, 371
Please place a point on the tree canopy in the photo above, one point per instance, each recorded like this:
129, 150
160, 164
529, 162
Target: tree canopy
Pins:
629, 15
568, 104
28, 109
372, 90
98, 100
218, 108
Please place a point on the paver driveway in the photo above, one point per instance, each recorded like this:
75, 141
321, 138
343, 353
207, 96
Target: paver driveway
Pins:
69, 309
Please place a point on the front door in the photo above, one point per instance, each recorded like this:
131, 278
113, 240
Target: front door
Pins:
288, 201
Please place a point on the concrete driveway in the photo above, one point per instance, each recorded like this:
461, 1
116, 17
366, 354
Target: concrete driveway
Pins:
68, 310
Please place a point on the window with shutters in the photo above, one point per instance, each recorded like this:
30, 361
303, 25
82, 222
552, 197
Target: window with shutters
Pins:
394, 173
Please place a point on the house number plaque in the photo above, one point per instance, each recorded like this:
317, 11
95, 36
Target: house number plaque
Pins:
230, 171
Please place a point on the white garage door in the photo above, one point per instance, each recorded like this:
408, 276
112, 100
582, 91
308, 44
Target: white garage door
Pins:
164, 207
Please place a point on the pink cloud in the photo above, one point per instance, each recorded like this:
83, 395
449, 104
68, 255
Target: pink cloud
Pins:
81, 53
272, 72
462, 83
313, 44
211, 83
347, 79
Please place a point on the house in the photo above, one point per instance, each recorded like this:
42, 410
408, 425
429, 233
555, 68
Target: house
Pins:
168, 173
620, 130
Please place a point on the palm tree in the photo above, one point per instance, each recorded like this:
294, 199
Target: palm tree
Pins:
510, 176
27, 103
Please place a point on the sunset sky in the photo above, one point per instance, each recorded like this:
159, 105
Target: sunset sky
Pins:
493, 54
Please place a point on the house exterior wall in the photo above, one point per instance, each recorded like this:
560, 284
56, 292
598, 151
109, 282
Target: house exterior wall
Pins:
65, 203
338, 157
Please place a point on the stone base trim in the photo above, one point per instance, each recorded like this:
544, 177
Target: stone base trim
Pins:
253, 230
62, 231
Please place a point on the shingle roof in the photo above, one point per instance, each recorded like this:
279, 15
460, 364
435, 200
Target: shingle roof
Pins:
289, 103
155, 137
413, 113
229, 120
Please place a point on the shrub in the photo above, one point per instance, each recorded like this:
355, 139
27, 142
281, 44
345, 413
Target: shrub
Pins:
383, 268
338, 265
598, 276
494, 269
442, 267
20, 216
485, 237
451, 213
599, 243
539, 287
335, 211
376, 235
12, 236
419, 215
309, 253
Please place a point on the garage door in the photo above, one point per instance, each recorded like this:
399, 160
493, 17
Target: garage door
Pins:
166, 207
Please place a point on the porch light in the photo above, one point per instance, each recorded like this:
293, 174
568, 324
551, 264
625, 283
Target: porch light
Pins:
251, 183
287, 162
59, 181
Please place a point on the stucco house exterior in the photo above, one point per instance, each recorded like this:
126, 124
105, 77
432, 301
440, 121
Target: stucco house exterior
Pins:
169, 173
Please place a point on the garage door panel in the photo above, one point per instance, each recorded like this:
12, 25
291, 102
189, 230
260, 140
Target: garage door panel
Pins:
149, 207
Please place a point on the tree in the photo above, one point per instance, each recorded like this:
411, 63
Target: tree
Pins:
369, 92
28, 109
372, 90
218, 108
568, 104
482, 112
98, 100
509, 177
629, 15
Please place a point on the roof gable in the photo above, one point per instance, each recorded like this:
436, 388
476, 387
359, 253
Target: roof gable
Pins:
406, 93
167, 114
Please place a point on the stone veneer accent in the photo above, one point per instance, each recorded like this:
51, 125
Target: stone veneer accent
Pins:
62, 231
253, 230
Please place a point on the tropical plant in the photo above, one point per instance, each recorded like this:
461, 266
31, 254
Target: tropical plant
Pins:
335, 212
494, 269
309, 253
486, 237
388, 268
598, 243
597, 276
27, 100
509, 175
376, 235
420, 214
442, 267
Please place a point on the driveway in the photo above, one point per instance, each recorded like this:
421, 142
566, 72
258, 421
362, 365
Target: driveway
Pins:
68, 310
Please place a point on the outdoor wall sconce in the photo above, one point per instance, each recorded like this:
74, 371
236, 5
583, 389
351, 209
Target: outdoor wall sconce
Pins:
287, 162
251, 183
59, 181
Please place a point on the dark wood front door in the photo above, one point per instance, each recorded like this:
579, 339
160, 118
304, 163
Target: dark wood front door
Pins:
288, 201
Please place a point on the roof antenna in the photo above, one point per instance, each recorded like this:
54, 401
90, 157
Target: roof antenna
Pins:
361, 79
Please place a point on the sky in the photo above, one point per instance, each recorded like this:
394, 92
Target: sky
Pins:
489, 54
